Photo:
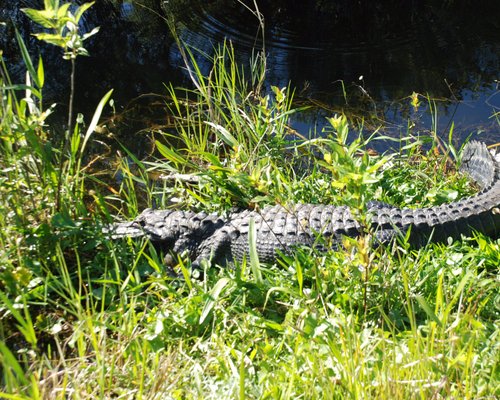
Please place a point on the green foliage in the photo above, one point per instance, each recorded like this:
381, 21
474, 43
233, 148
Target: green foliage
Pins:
83, 316
64, 26
228, 134
43, 185
429, 189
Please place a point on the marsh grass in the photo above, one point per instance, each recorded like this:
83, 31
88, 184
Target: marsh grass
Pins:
86, 317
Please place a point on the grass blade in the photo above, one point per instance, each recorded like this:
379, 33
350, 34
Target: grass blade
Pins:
254, 257
27, 59
95, 118
212, 300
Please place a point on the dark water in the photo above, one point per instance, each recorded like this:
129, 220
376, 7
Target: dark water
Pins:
362, 57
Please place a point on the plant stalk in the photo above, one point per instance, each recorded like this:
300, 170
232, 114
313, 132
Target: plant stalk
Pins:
68, 132
71, 97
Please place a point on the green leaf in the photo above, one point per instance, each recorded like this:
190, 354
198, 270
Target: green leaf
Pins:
300, 275
41, 17
75, 140
10, 361
51, 4
278, 93
63, 11
169, 154
224, 134
213, 296
275, 326
284, 115
24, 87
84, 7
212, 158
91, 33
95, 118
423, 303
254, 257
458, 291
27, 59
40, 73
7, 396
83, 52
25, 325
51, 38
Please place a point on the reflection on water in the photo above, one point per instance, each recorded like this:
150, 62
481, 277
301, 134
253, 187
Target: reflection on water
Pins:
377, 53
364, 56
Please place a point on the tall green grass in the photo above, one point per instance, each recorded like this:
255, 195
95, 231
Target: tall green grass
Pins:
82, 316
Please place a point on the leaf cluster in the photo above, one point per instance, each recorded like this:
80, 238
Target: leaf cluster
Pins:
63, 26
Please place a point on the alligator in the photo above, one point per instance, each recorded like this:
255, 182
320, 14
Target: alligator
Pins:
279, 228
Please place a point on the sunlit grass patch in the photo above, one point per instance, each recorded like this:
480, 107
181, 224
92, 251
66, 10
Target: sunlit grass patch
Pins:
83, 316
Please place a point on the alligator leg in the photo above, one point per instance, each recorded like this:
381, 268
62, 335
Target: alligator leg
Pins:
216, 249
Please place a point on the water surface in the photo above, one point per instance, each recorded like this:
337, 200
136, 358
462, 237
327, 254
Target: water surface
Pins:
364, 58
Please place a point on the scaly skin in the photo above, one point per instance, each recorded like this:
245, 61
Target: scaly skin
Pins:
278, 228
